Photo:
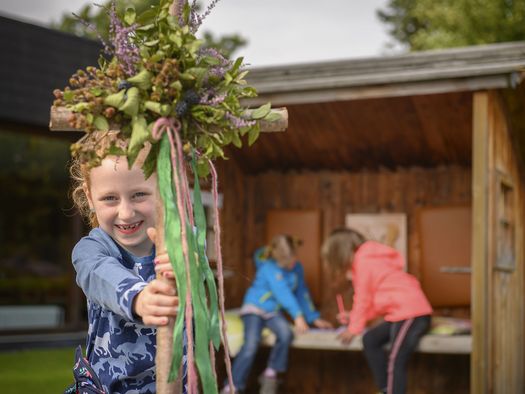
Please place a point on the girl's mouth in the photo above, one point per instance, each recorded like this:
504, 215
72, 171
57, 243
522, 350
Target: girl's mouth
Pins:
129, 228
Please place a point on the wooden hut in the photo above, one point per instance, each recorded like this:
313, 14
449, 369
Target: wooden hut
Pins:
437, 136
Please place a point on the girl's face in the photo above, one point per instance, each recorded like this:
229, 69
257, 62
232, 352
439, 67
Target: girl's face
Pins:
124, 203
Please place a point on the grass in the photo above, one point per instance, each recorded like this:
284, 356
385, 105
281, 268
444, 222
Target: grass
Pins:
42, 371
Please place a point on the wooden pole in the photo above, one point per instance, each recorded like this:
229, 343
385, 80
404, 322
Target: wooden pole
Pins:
59, 120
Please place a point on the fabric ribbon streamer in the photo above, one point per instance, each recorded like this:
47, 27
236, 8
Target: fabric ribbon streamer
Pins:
185, 241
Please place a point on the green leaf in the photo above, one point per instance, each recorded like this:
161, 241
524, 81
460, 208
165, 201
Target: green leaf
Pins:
236, 140
131, 105
151, 43
96, 91
142, 80
262, 111
130, 15
146, 27
69, 95
253, 134
272, 117
89, 118
176, 39
115, 99
139, 135
115, 150
150, 164
237, 65
101, 123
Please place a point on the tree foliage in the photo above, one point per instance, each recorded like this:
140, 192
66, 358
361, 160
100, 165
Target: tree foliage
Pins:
430, 24
92, 21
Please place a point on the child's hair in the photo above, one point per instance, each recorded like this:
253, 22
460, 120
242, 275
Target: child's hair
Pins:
339, 248
282, 244
79, 177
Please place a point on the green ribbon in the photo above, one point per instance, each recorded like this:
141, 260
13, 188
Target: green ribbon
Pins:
203, 289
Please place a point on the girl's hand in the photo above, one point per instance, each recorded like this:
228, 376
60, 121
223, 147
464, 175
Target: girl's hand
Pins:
346, 337
343, 317
320, 323
156, 303
300, 325
163, 265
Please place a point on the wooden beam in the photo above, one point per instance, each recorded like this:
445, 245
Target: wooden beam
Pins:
59, 120
480, 361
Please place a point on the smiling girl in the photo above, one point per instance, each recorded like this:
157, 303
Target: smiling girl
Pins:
116, 267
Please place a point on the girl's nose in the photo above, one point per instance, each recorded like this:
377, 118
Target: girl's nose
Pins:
126, 210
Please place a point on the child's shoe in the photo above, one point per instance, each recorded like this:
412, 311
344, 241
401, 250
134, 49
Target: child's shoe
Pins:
269, 385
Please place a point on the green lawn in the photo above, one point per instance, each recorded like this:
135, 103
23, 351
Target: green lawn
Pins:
42, 371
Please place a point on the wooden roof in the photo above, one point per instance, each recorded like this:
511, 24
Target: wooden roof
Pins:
408, 110
35, 61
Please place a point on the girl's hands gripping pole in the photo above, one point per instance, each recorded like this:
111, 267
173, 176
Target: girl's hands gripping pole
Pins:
158, 300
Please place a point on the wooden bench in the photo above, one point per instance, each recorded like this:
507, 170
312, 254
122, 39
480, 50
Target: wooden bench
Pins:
327, 340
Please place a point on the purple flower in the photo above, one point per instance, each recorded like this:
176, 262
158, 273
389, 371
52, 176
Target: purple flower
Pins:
210, 97
239, 122
126, 52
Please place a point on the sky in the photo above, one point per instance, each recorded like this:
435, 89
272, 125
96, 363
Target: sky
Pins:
278, 31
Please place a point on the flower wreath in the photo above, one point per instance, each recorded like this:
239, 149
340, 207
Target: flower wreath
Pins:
159, 69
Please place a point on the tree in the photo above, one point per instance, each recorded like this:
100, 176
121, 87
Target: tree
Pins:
93, 22
430, 24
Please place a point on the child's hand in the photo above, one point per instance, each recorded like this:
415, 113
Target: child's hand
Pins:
346, 337
300, 325
320, 323
163, 265
156, 303
344, 317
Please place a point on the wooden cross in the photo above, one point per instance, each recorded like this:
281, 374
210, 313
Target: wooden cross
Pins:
59, 122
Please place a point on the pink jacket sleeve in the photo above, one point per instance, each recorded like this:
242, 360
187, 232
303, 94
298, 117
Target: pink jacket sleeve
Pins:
362, 308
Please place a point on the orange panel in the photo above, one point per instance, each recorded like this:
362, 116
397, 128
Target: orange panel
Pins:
445, 234
305, 225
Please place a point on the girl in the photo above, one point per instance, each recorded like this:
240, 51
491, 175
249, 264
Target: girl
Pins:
115, 269
381, 289
279, 283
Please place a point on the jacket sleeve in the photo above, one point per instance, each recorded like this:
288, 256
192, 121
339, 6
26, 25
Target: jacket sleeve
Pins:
281, 291
303, 296
362, 279
105, 280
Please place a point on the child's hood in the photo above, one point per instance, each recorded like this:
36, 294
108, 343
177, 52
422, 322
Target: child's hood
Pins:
372, 251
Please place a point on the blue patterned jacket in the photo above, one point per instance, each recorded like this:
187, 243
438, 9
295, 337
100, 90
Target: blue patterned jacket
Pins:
119, 347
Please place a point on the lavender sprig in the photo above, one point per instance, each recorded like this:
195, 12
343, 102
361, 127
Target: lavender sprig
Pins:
124, 49
239, 122
196, 18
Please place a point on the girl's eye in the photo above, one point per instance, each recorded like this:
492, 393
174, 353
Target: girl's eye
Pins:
140, 194
109, 198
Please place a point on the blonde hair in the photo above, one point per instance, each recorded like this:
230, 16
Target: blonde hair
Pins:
79, 177
339, 248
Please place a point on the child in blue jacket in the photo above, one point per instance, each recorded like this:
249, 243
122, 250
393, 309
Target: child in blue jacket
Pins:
278, 284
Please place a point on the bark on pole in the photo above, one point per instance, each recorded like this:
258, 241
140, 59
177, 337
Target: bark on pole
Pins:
165, 334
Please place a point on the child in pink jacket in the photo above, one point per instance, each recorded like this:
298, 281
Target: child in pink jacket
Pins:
381, 289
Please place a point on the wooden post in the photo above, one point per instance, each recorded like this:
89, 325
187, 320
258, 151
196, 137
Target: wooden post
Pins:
480, 363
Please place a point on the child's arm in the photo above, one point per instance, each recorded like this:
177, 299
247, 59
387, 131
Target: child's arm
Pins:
305, 301
362, 303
